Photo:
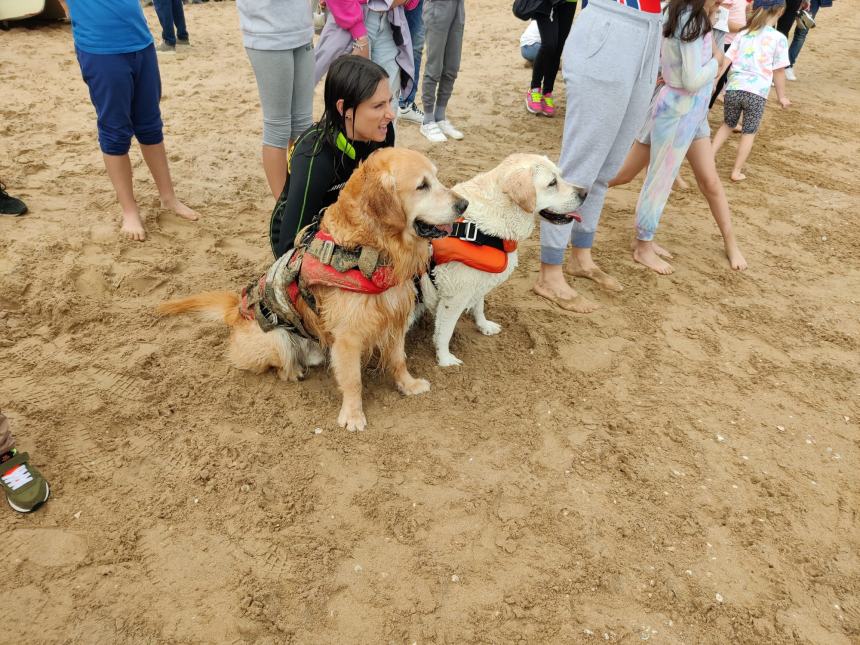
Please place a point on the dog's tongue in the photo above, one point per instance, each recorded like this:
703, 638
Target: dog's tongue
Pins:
575, 216
446, 227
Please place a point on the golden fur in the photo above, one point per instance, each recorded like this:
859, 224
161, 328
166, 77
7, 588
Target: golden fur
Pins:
378, 207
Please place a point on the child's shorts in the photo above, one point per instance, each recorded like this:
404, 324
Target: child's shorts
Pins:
125, 90
751, 105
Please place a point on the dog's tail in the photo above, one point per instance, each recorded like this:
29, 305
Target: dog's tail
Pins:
215, 305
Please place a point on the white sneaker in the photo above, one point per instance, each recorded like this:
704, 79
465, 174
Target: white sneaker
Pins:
789, 74
411, 113
449, 130
432, 132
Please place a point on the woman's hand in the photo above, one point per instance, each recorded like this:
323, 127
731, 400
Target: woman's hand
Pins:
361, 47
784, 102
397, 3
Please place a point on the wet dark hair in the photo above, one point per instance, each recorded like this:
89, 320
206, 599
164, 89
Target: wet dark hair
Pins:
353, 79
697, 24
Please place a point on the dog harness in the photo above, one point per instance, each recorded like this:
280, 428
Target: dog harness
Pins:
316, 261
468, 244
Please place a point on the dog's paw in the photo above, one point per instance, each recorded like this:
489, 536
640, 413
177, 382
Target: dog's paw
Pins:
291, 374
352, 420
449, 360
489, 328
415, 386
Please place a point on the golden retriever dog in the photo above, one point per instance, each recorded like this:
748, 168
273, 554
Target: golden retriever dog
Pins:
504, 203
393, 203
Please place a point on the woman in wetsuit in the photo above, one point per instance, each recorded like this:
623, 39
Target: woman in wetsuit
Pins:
357, 120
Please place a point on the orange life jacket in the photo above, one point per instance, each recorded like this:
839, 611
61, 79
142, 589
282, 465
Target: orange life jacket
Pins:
482, 257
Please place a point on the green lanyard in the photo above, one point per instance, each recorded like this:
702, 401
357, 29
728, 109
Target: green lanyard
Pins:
345, 146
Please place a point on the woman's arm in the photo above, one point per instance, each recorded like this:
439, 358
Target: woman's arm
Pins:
310, 177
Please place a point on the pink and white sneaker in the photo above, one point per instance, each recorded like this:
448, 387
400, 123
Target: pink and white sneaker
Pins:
534, 101
548, 104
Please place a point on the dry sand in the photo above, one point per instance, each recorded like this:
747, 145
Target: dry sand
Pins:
680, 467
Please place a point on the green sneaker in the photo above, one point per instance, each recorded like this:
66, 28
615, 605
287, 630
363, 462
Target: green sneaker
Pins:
25, 488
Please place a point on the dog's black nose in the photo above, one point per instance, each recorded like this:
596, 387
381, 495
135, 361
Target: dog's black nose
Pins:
582, 193
461, 205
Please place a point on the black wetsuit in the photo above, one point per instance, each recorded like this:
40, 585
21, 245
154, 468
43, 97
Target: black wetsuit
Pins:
318, 172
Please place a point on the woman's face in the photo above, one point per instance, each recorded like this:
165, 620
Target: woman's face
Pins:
370, 118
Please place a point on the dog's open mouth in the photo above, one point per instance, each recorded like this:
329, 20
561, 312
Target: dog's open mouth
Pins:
431, 231
559, 218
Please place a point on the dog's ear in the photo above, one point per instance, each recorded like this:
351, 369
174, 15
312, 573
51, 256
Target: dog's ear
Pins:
382, 202
519, 186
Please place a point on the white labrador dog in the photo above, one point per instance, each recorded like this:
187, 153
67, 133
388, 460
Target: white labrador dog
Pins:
504, 204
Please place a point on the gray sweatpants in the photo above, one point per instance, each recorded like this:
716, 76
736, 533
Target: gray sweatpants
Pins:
444, 21
285, 78
610, 66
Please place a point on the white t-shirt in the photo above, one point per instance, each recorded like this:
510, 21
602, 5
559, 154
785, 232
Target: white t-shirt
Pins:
754, 57
531, 36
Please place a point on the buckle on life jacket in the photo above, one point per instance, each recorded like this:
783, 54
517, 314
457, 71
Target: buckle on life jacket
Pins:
326, 251
465, 230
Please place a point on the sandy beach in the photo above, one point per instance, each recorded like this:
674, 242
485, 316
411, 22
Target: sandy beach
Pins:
680, 466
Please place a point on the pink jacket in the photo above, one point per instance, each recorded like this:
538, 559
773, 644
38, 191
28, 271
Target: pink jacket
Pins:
349, 16
737, 13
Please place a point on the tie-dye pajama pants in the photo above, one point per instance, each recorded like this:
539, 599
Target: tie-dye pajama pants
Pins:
675, 119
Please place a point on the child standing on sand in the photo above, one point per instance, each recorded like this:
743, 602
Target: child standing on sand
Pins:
444, 22
118, 63
689, 60
758, 56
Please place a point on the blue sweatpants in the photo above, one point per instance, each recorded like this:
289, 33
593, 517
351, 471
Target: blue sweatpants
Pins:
125, 90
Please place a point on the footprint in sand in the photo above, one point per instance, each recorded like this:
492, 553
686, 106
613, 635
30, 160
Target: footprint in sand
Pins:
48, 547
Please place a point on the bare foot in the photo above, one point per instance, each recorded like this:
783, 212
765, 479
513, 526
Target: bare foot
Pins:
738, 128
180, 209
736, 259
738, 176
606, 281
659, 250
571, 300
132, 226
644, 254
680, 183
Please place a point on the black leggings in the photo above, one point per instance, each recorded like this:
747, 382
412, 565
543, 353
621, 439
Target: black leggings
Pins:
787, 19
554, 29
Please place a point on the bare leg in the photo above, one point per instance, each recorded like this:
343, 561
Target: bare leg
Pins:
744, 149
395, 358
119, 171
580, 264
275, 167
680, 183
156, 159
721, 137
346, 364
701, 161
552, 286
635, 161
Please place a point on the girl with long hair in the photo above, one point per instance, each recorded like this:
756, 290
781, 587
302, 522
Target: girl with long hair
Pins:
690, 60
